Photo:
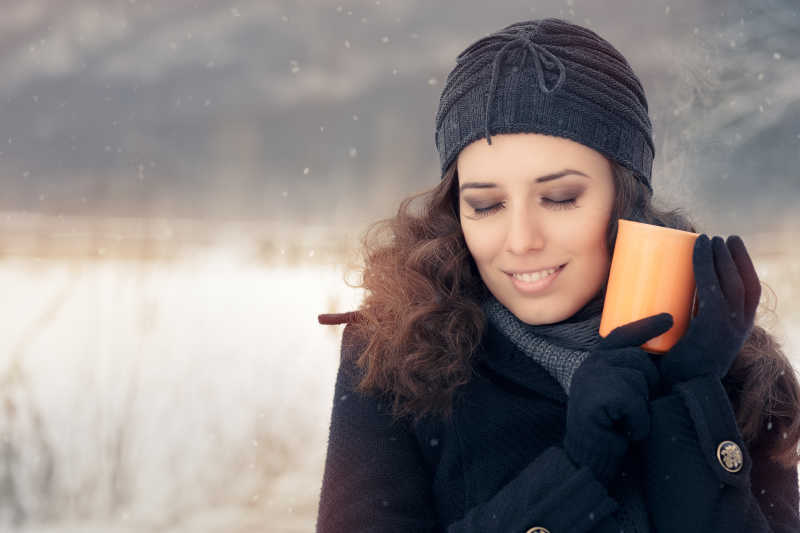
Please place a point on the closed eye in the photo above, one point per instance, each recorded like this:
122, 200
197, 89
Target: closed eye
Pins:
563, 204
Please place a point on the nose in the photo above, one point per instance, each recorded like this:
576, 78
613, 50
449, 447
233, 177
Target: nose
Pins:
524, 233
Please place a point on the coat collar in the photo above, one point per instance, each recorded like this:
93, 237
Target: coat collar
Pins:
502, 356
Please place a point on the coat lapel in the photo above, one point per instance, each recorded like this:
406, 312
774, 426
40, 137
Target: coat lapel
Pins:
503, 357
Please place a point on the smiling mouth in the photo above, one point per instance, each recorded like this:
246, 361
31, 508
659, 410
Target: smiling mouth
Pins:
556, 268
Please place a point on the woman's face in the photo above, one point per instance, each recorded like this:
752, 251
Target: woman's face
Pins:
523, 228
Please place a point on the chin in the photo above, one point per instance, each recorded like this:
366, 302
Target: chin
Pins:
538, 317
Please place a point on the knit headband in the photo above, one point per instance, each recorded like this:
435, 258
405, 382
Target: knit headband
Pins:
564, 80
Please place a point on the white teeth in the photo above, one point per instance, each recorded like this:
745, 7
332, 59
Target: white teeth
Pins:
535, 276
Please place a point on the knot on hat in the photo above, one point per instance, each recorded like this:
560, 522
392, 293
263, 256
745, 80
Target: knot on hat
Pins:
507, 40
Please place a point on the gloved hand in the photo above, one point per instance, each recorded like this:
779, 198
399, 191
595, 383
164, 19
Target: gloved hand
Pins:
609, 397
728, 291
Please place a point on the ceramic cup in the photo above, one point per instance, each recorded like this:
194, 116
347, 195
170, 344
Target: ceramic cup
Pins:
651, 272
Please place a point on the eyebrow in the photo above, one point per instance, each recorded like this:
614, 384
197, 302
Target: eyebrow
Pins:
540, 179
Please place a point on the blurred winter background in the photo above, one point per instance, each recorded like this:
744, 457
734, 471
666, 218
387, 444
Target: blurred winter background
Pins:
183, 183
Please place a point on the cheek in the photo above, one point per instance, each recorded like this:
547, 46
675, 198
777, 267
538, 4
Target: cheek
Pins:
595, 246
584, 235
581, 228
483, 243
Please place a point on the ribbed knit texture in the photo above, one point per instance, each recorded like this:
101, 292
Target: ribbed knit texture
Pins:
546, 76
560, 348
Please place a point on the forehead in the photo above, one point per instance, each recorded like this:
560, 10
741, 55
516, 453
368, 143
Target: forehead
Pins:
518, 154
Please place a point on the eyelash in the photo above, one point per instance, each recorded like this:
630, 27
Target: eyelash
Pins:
564, 204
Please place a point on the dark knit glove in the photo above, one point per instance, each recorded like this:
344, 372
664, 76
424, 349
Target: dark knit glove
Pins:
728, 291
609, 397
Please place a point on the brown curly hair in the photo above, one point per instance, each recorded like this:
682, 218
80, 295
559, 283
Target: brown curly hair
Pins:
423, 319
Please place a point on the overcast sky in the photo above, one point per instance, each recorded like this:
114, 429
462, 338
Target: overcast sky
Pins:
323, 112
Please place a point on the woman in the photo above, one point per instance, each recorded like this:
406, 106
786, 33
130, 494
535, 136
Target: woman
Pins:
468, 400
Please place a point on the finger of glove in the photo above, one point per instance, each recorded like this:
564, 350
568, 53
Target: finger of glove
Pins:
630, 412
750, 279
686, 359
636, 359
729, 279
623, 409
602, 366
709, 293
637, 419
637, 332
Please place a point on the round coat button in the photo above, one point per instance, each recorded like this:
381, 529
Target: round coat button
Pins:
729, 455
537, 529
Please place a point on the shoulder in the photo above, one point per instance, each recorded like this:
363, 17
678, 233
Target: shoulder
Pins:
352, 345
353, 341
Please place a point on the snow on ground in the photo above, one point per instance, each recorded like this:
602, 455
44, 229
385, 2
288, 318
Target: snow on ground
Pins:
189, 395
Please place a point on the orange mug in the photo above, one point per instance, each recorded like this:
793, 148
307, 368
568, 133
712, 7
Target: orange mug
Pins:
652, 272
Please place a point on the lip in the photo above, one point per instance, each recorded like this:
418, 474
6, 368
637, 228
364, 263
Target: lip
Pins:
538, 285
509, 272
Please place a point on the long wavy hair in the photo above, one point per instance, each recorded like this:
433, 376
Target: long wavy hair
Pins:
421, 320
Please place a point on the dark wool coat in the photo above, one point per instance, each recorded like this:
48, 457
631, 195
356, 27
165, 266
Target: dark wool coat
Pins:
499, 464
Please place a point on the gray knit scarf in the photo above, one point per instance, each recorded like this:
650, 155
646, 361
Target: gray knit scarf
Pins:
560, 348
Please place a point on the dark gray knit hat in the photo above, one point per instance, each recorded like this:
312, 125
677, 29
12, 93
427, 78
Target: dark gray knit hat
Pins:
563, 80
